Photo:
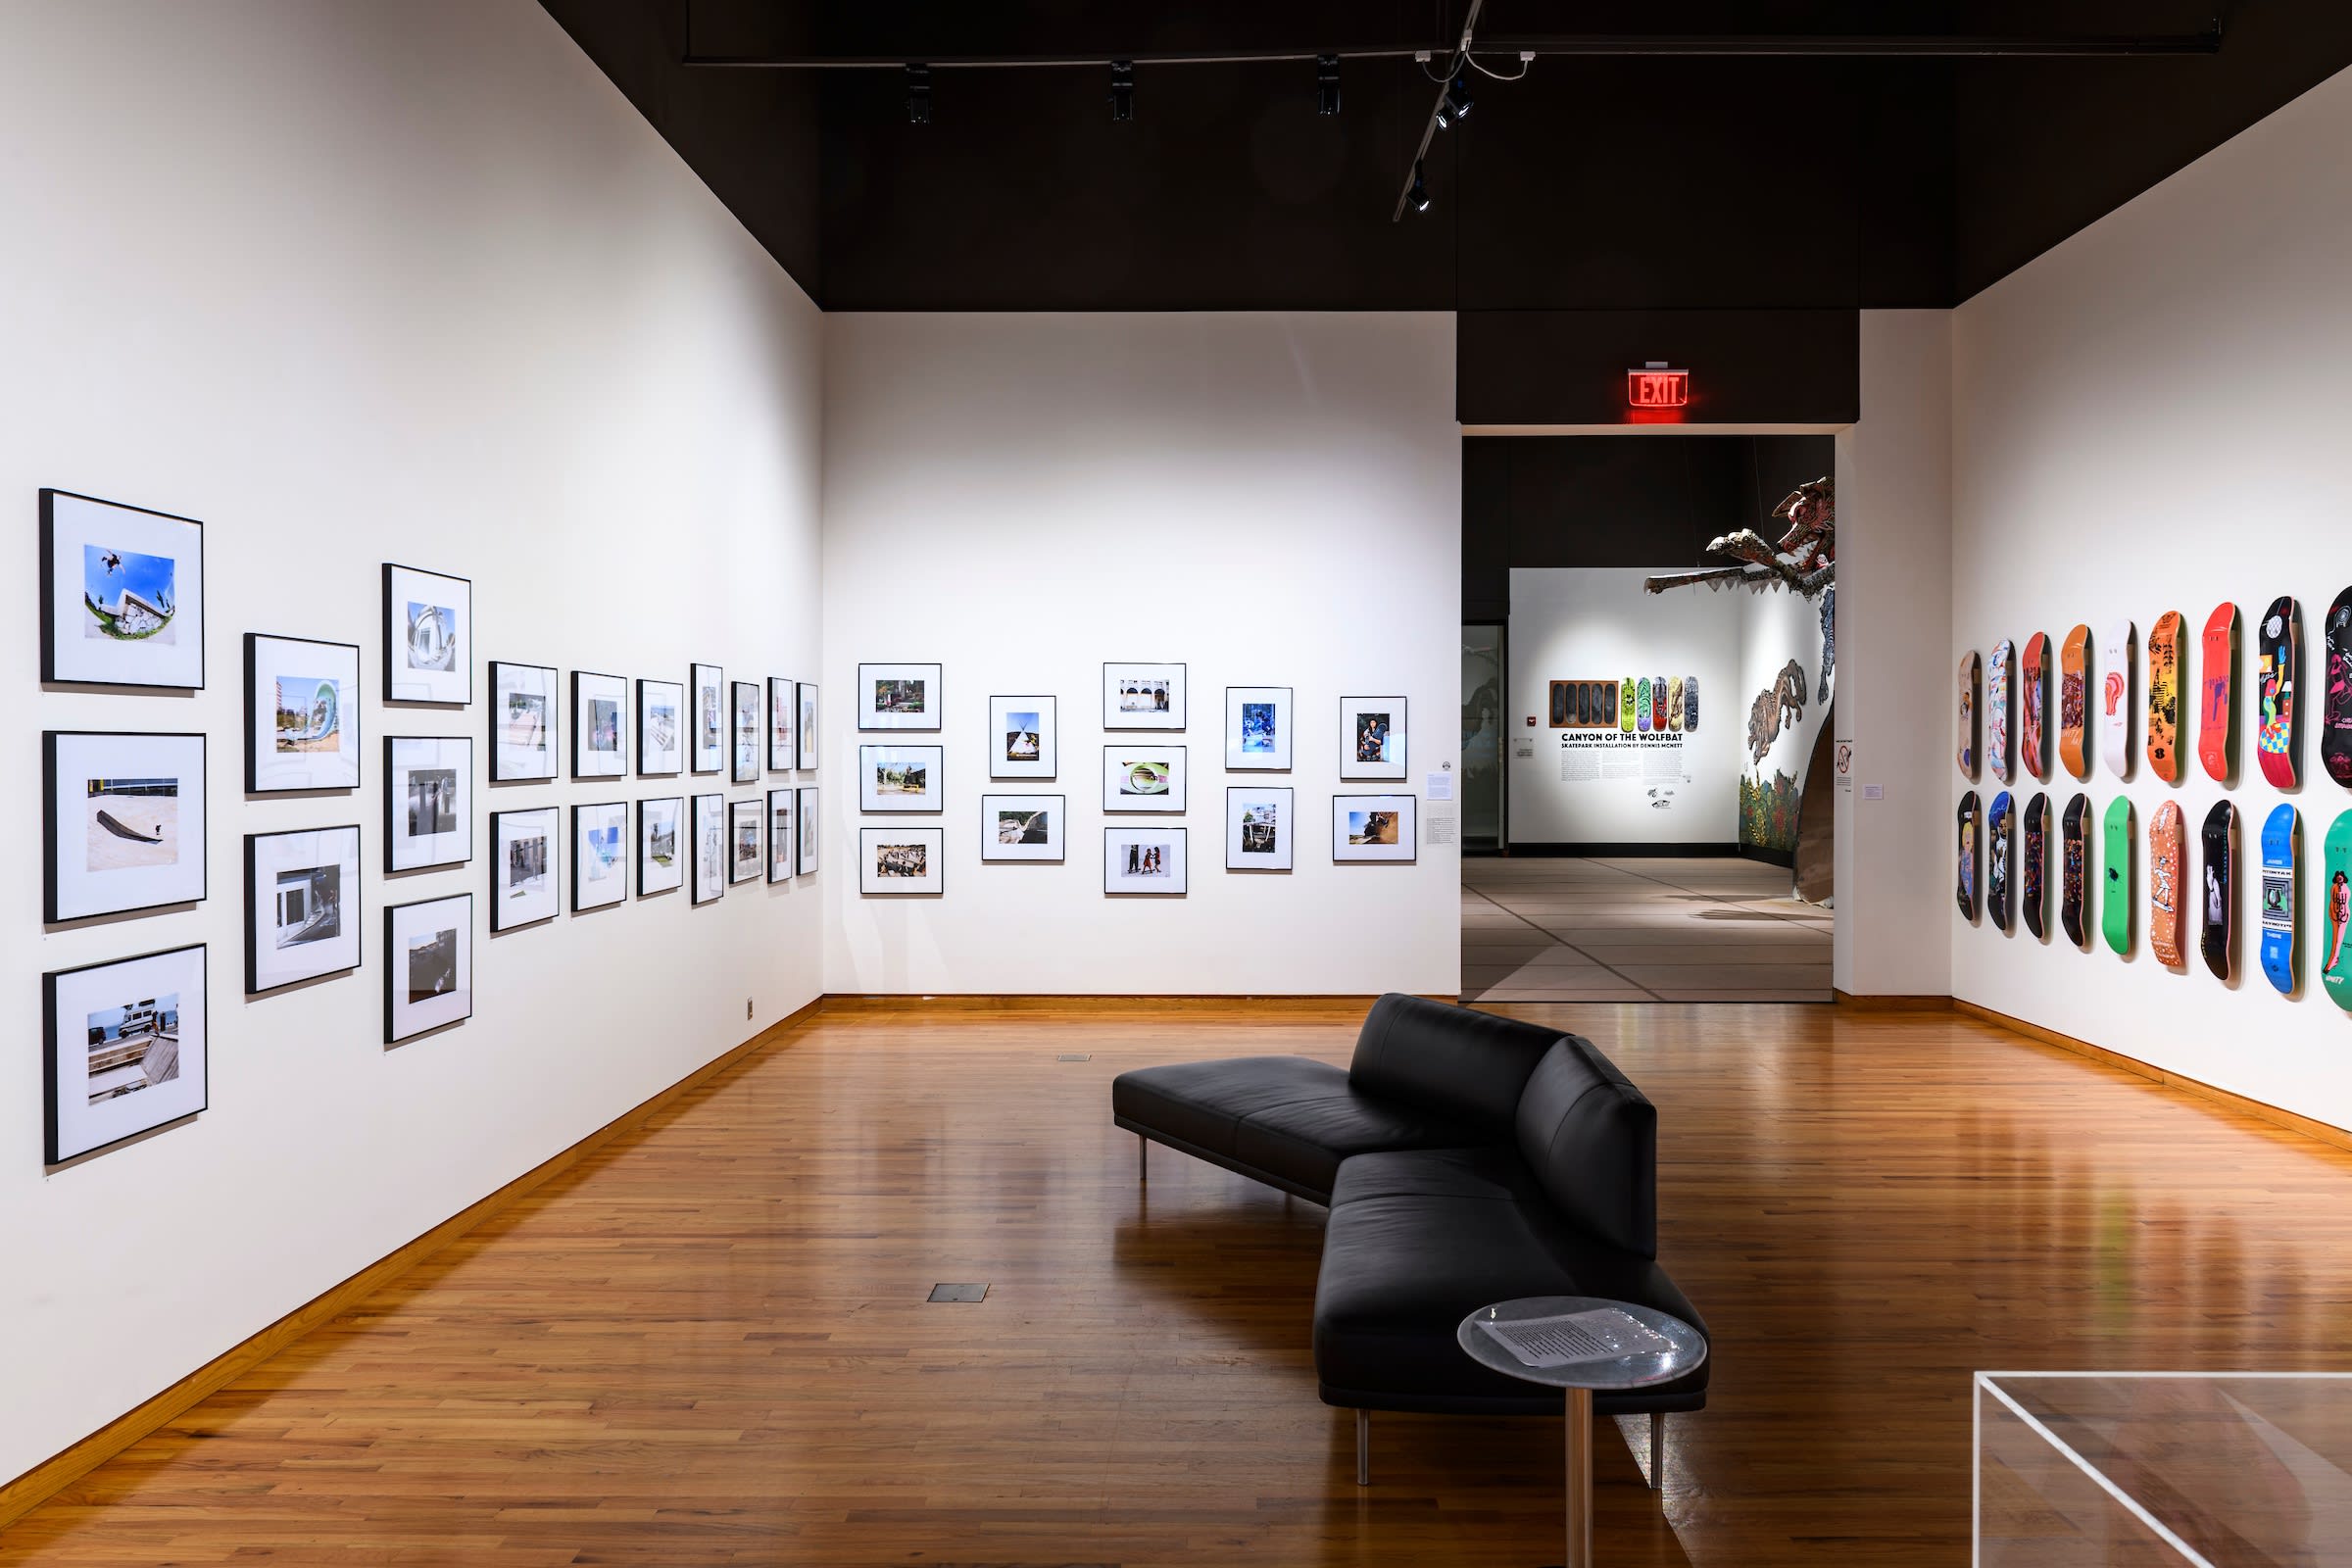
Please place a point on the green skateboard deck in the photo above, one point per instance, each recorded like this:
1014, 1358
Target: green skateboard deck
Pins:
1641, 705
1625, 699
2279, 900
2115, 876
2336, 905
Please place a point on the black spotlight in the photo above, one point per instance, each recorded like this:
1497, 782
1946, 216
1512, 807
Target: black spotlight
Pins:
1122, 90
1454, 107
1327, 84
1418, 197
919, 95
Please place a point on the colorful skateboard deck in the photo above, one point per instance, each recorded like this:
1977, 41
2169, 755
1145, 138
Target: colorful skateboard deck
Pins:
2034, 706
2115, 876
1969, 662
2032, 881
1968, 856
1996, 858
1674, 703
2074, 701
2074, 868
2219, 940
2279, 901
1996, 709
1657, 702
1690, 703
2163, 696
2336, 707
1641, 705
2335, 913
2115, 698
1625, 697
2281, 658
2218, 669
2166, 857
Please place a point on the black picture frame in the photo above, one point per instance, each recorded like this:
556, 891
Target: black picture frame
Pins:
789, 691
717, 754
679, 843
1179, 710
554, 873
1060, 840
777, 844
499, 772
347, 718
580, 739
349, 903
935, 848
933, 714
393, 640
393, 803
682, 718
579, 862
808, 831
697, 806
1046, 767
746, 697
756, 809
803, 739
1375, 772
392, 965
52, 1152
49, 497
52, 825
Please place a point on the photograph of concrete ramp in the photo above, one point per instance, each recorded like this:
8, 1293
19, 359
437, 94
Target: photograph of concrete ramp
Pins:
131, 822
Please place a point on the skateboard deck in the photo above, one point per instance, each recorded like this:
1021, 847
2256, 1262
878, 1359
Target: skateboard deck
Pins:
2336, 710
2073, 868
2278, 899
2335, 963
2218, 669
1657, 702
1689, 703
2163, 696
1996, 709
2032, 893
2115, 697
1674, 703
2115, 876
1641, 706
2032, 705
2074, 701
2282, 651
1968, 856
1625, 697
1996, 858
2165, 855
1967, 713
2217, 942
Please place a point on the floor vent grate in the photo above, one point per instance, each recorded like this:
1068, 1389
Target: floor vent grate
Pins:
958, 1293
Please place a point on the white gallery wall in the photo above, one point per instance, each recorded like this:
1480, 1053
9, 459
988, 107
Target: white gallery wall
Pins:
350, 284
2151, 418
1272, 499
1779, 628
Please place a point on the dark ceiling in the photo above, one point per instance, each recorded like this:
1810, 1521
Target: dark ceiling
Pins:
1597, 183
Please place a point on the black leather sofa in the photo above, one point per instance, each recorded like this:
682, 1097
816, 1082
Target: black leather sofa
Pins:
1466, 1159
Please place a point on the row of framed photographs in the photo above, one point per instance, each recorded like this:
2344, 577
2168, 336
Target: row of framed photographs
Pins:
1137, 776
704, 843
1260, 823
705, 725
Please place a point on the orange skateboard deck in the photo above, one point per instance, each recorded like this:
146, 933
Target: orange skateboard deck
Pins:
2073, 700
2163, 696
2165, 850
2033, 705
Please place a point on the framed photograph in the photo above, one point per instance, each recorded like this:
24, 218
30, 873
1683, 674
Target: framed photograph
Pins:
600, 725
707, 690
1143, 860
1258, 825
660, 728
783, 837
429, 966
806, 740
522, 722
901, 859
298, 922
1373, 827
745, 861
428, 637
122, 1048
899, 778
123, 820
709, 834
1371, 737
1023, 737
1143, 776
660, 827
121, 594
600, 854
898, 696
524, 863
302, 720
782, 709
1257, 728
804, 862
1022, 827
1143, 697
748, 724
429, 800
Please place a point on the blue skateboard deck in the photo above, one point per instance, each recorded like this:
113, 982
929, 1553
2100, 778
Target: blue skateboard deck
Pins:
2279, 901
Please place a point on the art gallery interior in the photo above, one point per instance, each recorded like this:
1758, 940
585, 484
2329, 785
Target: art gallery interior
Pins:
1232, 784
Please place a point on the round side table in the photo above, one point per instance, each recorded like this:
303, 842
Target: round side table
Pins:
1686, 1349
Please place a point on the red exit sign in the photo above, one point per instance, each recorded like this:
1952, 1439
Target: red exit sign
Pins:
1654, 386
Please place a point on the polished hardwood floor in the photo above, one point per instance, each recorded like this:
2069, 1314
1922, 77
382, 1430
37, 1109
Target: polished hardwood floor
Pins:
710, 1343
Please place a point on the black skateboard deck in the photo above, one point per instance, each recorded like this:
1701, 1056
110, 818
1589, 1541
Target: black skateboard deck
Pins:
2282, 647
1968, 856
2218, 941
1996, 858
2070, 875
2335, 713
2032, 892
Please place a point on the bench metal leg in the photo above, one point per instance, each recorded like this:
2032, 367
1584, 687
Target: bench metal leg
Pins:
1143, 1158
1657, 1451
1363, 1448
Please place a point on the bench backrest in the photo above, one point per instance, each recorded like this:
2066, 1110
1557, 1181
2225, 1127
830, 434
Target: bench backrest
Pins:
1591, 1140
1459, 1064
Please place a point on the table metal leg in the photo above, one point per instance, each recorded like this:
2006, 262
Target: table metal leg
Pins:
1580, 1478
1143, 1157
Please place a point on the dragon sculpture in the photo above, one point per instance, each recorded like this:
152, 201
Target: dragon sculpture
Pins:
1805, 560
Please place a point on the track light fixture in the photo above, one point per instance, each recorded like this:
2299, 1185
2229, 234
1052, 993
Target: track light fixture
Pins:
1417, 197
1122, 90
1454, 107
919, 95
1327, 84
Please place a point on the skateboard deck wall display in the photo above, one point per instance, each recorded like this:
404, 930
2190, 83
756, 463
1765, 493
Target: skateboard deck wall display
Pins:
1968, 856
2163, 696
2281, 640
2336, 705
2336, 912
1674, 702
1967, 713
2279, 901
1625, 714
2165, 858
2219, 940
2217, 670
2115, 698
2115, 876
1996, 709
1996, 859
2033, 897
2074, 870
2074, 701
2033, 707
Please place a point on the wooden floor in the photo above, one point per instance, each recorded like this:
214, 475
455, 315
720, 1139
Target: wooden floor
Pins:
709, 1344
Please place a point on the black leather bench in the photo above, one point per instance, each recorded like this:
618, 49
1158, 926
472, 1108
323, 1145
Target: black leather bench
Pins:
1466, 1159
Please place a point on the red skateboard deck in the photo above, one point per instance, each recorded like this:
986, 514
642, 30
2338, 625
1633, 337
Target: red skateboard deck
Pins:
2164, 885
2218, 669
2033, 704
2073, 700
2163, 696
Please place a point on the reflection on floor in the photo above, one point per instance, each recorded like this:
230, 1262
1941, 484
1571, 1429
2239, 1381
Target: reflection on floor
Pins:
1639, 930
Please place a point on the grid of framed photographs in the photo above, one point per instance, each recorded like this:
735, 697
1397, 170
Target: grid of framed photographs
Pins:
302, 723
302, 905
